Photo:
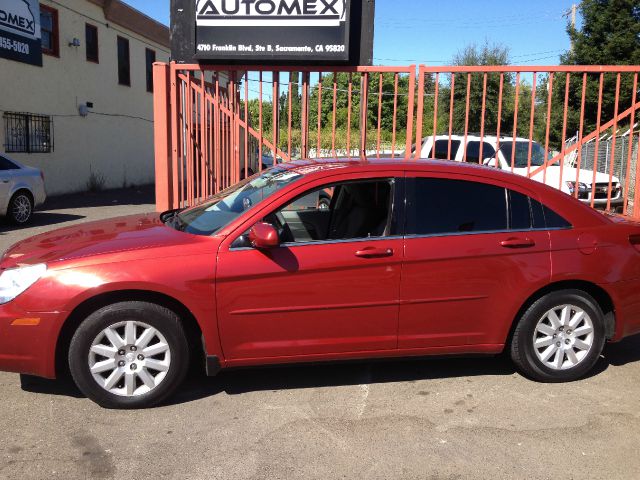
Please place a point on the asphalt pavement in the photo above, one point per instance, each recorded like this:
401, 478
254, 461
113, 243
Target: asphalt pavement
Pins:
435, 419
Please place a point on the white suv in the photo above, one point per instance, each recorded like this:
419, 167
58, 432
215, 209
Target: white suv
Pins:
503, 156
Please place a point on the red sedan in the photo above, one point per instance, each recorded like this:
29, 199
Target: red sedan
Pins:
405, 259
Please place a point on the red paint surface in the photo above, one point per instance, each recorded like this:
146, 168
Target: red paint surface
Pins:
368, 298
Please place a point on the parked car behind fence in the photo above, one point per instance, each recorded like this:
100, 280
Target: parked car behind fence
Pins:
21, 190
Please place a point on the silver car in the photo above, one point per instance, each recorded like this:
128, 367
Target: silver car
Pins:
21, 190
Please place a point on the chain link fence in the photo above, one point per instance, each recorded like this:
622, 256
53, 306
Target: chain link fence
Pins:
609, 149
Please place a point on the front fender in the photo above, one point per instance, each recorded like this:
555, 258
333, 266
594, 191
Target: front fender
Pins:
188, 280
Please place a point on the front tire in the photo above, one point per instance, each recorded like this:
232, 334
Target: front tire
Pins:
129, 355
559, 338
20, 208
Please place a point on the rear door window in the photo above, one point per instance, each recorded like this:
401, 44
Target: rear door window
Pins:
442, 149
473, 151
438, 206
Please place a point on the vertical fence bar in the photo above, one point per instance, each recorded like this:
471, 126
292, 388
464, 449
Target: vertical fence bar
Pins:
515, 122
189, 107
319, 146
576, 191
395, 116
483, 109
333, 115
532, 117
548, 122
364, 104
419, 114
466, 117
564, 126
247, 124
627, 184
217, 127
380, 80
235, 133
451, 99
350, 89
289, 125
261, 139
499, 119
410, 107
203, 137
597, 143
636, 203
275, 115
162, 132
305, 115
435, 115
613, 140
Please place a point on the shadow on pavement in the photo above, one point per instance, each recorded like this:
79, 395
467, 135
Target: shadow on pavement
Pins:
62, 386
239, 381
41, 219
123, 196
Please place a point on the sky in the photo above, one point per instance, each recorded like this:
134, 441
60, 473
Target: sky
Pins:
431, 32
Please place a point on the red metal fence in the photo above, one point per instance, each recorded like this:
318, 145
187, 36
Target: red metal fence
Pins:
571, 127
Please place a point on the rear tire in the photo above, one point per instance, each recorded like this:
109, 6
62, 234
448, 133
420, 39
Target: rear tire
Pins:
559, 338
20, 208
129, 355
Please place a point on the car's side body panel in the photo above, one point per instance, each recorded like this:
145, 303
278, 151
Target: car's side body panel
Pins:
464, 289
308, 299
317, 302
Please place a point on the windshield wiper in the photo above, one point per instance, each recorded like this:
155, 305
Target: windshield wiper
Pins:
173, 220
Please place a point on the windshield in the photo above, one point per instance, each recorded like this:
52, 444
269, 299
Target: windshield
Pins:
226, 206
522, 154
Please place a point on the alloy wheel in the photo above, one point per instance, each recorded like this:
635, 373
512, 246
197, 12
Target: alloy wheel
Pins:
129, 358
21, 209
563, 337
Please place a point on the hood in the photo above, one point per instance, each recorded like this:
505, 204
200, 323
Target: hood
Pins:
122, 234
569, 174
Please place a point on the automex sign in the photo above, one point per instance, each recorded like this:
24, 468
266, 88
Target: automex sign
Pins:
271, 12
20, 31
273, 30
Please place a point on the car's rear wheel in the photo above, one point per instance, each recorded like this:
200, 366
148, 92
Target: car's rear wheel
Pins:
560, 337
129, 355
20, 208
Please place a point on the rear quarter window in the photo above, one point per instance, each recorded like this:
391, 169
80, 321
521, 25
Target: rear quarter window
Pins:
545, 218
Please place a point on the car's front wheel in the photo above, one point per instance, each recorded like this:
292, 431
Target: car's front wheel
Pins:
20, 208
129, 355
560, 337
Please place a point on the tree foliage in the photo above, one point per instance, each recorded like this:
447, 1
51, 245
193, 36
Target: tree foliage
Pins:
609, 35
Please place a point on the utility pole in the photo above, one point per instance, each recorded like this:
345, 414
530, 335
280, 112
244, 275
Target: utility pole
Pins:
571, 14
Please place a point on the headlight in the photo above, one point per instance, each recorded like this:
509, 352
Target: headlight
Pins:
14, 281
582, 187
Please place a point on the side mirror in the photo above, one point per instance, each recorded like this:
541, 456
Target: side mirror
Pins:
263, 236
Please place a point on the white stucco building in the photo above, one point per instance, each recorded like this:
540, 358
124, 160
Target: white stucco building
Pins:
86, 114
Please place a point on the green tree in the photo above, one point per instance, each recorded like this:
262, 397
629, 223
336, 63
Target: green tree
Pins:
485, 55
609, 35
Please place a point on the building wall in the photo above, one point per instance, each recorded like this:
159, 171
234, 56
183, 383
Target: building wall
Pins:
115, 140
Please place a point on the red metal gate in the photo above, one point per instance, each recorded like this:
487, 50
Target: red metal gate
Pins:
215, 126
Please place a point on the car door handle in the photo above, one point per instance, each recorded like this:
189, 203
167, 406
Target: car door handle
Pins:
5, 181
374, 252
518, 243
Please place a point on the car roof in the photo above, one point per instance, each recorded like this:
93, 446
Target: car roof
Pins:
477, 137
